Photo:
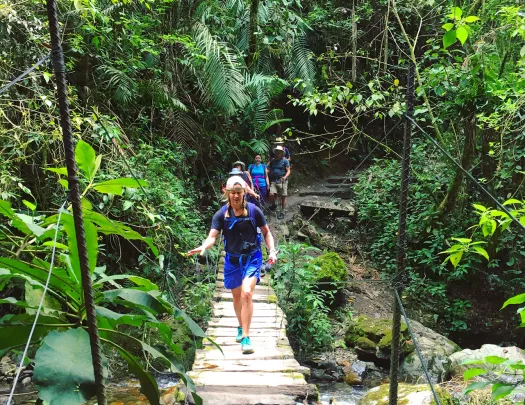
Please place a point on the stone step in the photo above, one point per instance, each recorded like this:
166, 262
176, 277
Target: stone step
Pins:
349, 179
264, 352
327, 192
324, 208
232, 332
248, 365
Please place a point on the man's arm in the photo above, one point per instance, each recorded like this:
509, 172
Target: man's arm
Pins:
208, 243
272, 256
287, 173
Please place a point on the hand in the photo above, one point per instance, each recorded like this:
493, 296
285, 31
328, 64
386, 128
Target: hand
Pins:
283, 180
200, 249
257, 196
272, 258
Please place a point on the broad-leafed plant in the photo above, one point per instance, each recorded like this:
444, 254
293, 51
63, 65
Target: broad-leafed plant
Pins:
63, 370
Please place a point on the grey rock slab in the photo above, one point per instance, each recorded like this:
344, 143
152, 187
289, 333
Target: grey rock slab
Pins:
249, 365
337, 208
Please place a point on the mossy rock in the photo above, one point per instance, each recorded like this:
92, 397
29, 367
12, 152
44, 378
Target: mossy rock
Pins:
330, 267
365, 344
408, 394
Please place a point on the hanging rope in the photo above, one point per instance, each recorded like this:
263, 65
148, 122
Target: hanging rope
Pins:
46, 285
13, 82
67, 136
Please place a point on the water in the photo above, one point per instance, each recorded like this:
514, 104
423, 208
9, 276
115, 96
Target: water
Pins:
342, 393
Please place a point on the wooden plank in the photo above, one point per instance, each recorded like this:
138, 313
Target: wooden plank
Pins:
232, 332
248, 379
257, 306
257, 323
226, 296
265, 352
257, 340
259, 313
248, 365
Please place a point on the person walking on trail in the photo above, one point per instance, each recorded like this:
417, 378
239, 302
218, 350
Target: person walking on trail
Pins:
253, 196
245, 174
259, 173
279, 172
280, 142
240, 222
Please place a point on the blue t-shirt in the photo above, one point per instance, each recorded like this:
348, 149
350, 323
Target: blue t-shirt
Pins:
278, 168
258, 175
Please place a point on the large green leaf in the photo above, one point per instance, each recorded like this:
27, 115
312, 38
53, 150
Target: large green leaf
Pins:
449, 38
90, 231
33, 295
85, 157
116, 186
136, 298
143, 283
6, 210
15, 329
64, 370
516, 300
462, 34
116, 318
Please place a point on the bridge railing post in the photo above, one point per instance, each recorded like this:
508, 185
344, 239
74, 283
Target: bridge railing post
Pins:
400, 275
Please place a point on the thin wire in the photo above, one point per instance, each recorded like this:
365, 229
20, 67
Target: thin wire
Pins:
19, 371
13, 82
467, 173
427, 375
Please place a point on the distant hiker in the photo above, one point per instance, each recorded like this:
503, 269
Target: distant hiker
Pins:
279, 172
253, 196
240, 222
245, 174
259, 173
280, 142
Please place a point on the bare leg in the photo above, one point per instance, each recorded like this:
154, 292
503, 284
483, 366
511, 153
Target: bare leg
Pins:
248, 284
237, 303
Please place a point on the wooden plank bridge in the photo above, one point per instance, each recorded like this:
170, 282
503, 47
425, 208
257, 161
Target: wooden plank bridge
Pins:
271, 375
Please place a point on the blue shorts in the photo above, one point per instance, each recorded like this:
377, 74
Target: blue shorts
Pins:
234, 274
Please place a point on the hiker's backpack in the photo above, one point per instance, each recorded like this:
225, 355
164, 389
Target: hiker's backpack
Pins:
230, 222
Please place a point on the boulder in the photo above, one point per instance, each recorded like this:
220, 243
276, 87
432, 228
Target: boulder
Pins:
407, 395
329, 267
511, 353
372, 337
435, 350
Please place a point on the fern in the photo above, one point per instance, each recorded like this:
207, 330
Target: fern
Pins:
123, 87
299, 63
182, 129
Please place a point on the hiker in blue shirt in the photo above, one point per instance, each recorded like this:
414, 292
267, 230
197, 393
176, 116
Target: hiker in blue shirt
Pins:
279, 172
280, 142
259, 174
240, 222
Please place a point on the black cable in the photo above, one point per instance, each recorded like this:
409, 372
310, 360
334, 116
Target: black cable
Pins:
469, 175
13, 82
413, 337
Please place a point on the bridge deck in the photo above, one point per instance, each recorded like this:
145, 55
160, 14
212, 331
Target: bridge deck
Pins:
271, 375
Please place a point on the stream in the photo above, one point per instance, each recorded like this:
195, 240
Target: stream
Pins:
342, 393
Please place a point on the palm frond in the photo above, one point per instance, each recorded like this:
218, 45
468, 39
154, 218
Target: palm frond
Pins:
299, 63
219, 72
182, 129
120, 83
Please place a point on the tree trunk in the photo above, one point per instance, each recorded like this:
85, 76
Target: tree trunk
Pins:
449, 202
254, 11
354, 45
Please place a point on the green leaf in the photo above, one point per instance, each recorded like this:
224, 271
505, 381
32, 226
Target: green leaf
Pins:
29, 205
115, 186
456, 13
64, 183
479, 207
449, 38
33, 295
471, 19
448, 26
90, 232
494, 359
479, 250
473, 372
98, 161
513, 201
85, 157
455, 258
6, 210
120, 319
474, 386
58, 170
143, 283
462, 240
501, 390
138, 298
516, 300
462, 34
57, 244
63, 368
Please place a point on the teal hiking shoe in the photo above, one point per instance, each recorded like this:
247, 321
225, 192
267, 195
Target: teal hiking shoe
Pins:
246, 345
239, 334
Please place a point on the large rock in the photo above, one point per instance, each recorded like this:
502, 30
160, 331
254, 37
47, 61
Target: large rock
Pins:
407, 395
372, 337
512, 353
435, 350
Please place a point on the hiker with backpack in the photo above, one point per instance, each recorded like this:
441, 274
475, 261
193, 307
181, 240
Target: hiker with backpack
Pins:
253, 197
259, 174
279, 172
245, 174
242, 224
280, 142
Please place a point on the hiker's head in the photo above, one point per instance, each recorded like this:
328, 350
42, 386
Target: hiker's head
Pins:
234, 193
239, 165
258, 159
279, 141
235, 172
278, 152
